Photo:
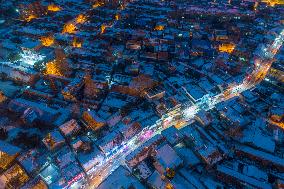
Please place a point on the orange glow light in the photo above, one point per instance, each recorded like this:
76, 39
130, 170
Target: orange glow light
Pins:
227, 47
122, 7
272, 3
81, 19
159, 28
2, 97
30, 17
117, 17
53, 8
52, 69
47, 41
76, 43
103, 28
69, 28
278, 124
98, 4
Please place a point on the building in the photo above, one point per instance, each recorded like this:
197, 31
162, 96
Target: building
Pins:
70, 128
14, 177
110, 142
70, 92
167, 159
32, 110
8, 154
121, 178
93, 121
146, 150
233, 176
264, 158
53, 141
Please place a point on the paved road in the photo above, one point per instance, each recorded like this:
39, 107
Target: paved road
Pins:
117, 158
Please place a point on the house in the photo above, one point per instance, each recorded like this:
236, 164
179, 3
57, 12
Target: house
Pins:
36, 183
155, 93
158, 181
29, 116
194, 92
14, 177
255, 138
172, 135
120, 178
32, 161
143, 170
68, 165
234, 118
249, 96
204, 118
18, 73
264, 158
129, 130
53, 140
92, 120
8, 154
203, 147
90, 158
191, 178
167, 158
69, 128
32, 110
70, 92
209, 154
109, 143
50, 174
146, 150
232, 175
132, 69
190, 159
221, 35
3, 98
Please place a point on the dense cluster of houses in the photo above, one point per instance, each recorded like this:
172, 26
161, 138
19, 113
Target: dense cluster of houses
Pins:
78, 78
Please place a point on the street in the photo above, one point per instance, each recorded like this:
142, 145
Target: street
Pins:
118, 158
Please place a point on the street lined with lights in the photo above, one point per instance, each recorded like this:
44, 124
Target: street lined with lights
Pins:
141, 94
117, 156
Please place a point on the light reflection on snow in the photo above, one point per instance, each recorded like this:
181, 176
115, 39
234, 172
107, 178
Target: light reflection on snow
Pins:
30, 57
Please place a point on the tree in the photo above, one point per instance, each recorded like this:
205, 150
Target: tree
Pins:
170, 173
90, 88
3, 134
20, 138
131, 186
75, 110
13, 182
33, 141
24, 139
50, 141
145, 106
61, 61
